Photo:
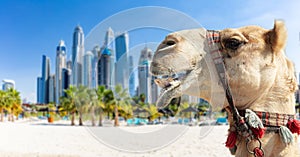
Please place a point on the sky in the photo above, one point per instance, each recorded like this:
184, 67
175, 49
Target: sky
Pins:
31, 28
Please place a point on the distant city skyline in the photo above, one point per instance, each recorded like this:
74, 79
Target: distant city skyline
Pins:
29, 30
96, 69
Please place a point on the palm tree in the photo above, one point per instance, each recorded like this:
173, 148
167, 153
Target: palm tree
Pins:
2, 103
92, 103
109, 102
122, 98
82, 101
182, 107
14, 102
126, 111
68, 103
140, 100
153, 111
100, 91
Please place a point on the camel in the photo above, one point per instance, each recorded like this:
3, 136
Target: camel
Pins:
260, 76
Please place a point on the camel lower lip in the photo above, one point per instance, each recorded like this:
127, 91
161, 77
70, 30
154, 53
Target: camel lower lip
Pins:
168, 93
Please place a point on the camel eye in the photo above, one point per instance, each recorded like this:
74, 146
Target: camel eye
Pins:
232, 44
170, 42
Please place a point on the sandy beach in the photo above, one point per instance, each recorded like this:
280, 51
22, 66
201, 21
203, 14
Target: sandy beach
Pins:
39, 138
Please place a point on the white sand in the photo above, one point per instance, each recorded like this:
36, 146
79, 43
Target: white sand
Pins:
38, 138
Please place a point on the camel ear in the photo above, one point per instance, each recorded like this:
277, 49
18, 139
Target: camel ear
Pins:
278, 36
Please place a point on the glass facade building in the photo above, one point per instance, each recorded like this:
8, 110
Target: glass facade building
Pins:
147, 85
121, 65
87, 69
104, 63
77, 56
60, 64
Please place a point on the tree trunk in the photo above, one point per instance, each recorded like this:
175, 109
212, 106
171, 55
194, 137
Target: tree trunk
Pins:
8, 116
12, 115
116, 116
80, 119
2, 115
100, 119
73, 118
93, 119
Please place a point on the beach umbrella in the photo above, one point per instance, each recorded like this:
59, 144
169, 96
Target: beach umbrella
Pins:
138, 111
190, 109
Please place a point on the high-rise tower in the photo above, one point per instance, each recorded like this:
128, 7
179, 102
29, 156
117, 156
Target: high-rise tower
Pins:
39, 91
87, 69
110, 45
96, 53
45, 79
7, 84
43, 82
131, 76
121, 66
52, 89
104, 77
146, 81
109, 41
60, 64
77, 56
66, 78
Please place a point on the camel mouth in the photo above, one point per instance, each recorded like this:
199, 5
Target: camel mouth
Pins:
170, 87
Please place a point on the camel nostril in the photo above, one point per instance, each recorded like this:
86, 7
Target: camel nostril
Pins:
170, 42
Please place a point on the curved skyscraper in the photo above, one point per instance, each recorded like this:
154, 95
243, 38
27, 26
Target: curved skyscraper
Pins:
77, 56
60, 64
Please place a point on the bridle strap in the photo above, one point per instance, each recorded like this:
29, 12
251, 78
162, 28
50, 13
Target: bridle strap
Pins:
213, 38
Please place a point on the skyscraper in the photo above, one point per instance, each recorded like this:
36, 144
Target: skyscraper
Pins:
104, 76
39, 95
43, 82
69, 64
96, 53
121, 66
7, 84
66, 79
122, 44
87, 69
52, 88
45, 79
110, 45
77, 55
146, 81
60, 64
132, 73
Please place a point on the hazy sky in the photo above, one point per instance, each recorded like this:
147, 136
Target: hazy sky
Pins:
31, 28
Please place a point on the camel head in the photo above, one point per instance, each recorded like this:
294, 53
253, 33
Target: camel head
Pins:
259, 74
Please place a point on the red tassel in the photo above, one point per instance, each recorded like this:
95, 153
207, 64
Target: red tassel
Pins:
294, 126
258, 152
258, 132
231, 139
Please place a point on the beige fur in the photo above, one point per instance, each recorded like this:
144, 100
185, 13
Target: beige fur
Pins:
260, 75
